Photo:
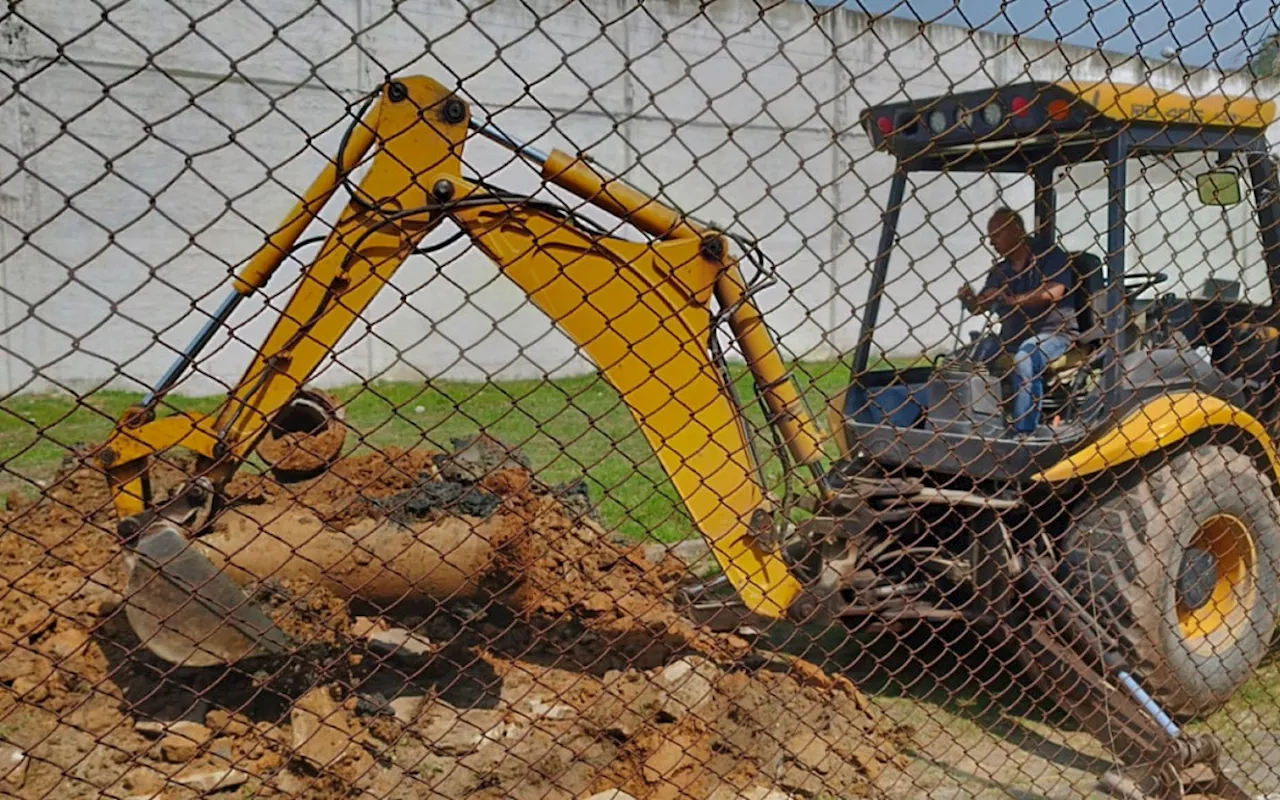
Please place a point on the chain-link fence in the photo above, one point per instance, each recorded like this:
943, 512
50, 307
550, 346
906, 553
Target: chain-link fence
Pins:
661, 400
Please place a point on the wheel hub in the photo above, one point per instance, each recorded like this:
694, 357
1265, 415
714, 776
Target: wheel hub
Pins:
1197, 577
1215, 583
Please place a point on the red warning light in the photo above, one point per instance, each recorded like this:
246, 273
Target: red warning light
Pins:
1059, 110
885, 125
1019, 106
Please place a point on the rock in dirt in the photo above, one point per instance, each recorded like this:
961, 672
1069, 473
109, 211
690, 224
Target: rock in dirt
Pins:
540, 708
447, 732
472, 459
753, 793
178, 749
13, 765
367, 627
182, 740
407, 708
101, 601
439, 495
693, 553
400, 642
689, 683
182, 728
211, 779
576, 499
810, 751
227, 723
33, 623
65, 643
663, 762
322, 731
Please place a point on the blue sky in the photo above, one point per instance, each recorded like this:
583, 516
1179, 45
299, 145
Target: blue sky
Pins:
1206, 31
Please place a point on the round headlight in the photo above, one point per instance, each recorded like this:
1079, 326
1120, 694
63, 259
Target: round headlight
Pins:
992, 113
938, 121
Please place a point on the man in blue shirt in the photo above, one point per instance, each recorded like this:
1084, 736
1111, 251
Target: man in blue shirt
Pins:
1034, 295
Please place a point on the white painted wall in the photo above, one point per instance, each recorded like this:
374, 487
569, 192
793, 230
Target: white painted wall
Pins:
144, 153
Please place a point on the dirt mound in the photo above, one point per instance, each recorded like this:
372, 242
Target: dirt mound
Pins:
570, 674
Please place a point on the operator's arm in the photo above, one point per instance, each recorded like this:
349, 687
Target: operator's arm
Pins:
1050, 292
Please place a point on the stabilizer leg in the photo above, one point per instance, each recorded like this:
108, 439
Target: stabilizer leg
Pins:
1072, 659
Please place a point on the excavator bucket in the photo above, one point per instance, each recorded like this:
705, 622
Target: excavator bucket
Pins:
188, 612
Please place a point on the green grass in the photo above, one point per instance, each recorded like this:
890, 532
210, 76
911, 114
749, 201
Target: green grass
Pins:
569, 428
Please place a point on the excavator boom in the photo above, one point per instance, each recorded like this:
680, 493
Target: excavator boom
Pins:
640, 310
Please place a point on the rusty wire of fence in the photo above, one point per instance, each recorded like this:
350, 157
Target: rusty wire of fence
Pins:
662, 400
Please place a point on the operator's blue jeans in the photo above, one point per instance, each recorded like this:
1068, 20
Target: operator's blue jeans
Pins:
1030, 362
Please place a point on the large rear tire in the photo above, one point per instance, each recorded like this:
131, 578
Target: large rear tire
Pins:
1182, 567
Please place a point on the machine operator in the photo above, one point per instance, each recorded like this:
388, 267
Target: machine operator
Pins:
1033, 292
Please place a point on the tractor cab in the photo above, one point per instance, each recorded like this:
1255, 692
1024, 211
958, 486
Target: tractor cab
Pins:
1165, 207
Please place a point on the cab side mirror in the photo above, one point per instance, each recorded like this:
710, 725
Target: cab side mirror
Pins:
1219, 187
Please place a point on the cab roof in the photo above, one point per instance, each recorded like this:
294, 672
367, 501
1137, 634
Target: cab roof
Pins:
1055, 114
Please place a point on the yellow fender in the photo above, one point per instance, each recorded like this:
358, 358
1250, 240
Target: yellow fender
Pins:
1156, 425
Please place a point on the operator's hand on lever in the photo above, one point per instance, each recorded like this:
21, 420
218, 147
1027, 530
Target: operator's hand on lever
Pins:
980, 302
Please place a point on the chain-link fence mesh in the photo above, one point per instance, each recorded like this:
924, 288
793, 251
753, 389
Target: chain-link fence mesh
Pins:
663, 400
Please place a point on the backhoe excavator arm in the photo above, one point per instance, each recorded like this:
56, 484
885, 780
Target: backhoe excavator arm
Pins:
640, 310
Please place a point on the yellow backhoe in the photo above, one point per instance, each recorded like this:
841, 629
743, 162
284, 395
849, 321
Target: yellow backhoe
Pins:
645, 313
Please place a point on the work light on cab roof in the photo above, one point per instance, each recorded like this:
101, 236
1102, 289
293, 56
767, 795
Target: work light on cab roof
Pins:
1037, 109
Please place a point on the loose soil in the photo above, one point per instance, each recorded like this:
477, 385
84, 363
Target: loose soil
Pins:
568, 672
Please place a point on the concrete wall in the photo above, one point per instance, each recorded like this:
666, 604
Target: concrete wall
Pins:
146, 151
